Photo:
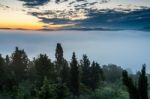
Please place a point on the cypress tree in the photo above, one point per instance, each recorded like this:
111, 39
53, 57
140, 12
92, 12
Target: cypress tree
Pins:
140, 91
59, 62
132, 89
61, 65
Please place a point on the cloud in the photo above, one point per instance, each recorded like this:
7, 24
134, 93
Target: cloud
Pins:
32, 3
4, 6
103, 18
117, 19
55, 20
85, 15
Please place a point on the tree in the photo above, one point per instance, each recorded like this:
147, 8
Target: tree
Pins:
61, 65
59, 61
7, 60
74, 76
140, 91
61, 91
19, 63
59, 53
44, 67
46, 91
132, 89
95, 75
143, 84
64, 73
85, 75
2, 62
112, 73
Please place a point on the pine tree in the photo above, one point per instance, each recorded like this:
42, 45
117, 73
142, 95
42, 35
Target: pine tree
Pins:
64, 73
95, 75
85, 75
74, 76
143, 85
1, 71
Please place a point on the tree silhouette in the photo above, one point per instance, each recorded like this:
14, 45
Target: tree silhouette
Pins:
85, 75
95, 75
44, 67
143, 85
132, 89
1, 71
64, 73
19, 64
74, 76
140, 91
59, 61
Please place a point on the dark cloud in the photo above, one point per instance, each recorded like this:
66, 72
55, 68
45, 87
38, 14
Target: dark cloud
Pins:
114, 19
32, 3
109, 18
55, 17
55, 20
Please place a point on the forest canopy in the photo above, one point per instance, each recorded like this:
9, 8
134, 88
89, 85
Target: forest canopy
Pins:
42, 78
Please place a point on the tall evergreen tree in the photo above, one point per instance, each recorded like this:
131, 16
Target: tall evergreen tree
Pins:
140, 91
61, 65
59, 53
1, 71
143, 84
85, 75
7, 60
132, 89
95, 75
59, 61
74, 76
64, 73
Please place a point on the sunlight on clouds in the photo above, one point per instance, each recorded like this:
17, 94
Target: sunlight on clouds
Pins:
19, 19
52, 15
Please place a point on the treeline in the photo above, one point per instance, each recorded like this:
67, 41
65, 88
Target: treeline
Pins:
42, 78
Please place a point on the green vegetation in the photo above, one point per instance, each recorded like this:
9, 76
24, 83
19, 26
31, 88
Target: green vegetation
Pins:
42, 78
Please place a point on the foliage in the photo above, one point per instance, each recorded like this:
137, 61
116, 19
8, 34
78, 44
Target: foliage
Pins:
41, 78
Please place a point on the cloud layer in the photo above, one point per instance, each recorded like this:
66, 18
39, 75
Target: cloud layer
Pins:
87, 14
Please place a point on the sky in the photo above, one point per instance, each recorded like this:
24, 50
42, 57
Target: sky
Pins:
74, 14
118, 26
